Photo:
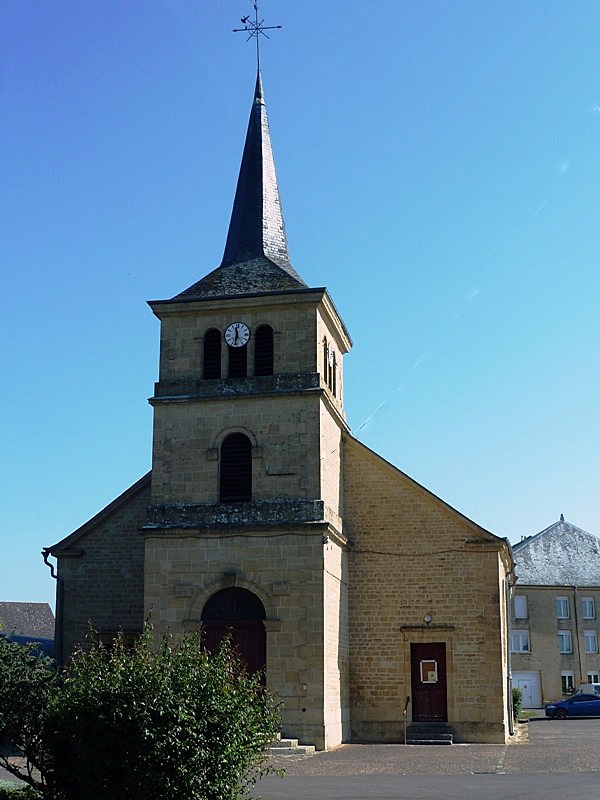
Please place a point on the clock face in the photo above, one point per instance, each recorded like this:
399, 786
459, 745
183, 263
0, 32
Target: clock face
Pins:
237, 334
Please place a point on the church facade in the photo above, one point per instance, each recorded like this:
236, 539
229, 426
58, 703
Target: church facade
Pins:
359, 594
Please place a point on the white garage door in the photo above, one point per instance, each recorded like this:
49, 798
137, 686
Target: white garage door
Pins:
529, 683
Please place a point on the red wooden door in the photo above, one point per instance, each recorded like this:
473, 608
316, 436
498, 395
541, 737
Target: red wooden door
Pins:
248, 638
238, 613
428, 682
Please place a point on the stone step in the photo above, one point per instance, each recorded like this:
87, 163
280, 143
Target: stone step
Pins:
440, 740
285, 743
429, 733
291, 747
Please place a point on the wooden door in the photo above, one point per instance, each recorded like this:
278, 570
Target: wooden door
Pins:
428, 682
238, 613
248, 639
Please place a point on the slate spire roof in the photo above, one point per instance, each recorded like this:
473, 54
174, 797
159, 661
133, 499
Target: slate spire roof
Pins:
560, 555
256, 257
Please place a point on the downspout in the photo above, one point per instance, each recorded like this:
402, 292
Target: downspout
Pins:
511, 721
576, 620
58, 623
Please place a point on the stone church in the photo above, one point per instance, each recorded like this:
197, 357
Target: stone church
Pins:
360, 594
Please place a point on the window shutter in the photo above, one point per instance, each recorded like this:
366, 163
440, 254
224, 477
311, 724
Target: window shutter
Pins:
211, 366
235, 485
263, 351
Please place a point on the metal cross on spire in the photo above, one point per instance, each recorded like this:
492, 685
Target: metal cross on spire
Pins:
254, 28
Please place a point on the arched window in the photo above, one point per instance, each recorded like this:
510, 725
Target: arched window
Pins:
334, 379
235, 468
330, 367
238, 361
263, 350
211, 362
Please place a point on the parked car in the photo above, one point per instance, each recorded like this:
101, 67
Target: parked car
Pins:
580, 705
588, 688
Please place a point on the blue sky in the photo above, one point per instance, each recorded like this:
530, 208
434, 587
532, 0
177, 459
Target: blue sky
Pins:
439, 164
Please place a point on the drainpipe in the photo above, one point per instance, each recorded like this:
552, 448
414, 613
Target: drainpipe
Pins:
511, 722
576, 620
58, 623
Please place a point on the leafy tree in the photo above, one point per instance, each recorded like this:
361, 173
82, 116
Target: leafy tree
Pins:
160, 722
27, 681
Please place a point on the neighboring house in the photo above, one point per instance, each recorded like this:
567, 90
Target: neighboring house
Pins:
27, 619
28, 622
556, 602
351, 585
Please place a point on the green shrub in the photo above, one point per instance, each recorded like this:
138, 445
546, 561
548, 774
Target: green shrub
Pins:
166, 723
517, 701
161, 723
26, 682
15, 791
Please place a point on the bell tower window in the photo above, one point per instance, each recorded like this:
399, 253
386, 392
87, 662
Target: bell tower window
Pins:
235, 468
329, 367
211, 361
263, 350
238, 361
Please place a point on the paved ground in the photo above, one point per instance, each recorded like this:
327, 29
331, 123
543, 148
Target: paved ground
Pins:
554, 760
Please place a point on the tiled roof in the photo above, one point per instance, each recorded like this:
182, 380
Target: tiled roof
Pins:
561, 555
256, 257
27, 619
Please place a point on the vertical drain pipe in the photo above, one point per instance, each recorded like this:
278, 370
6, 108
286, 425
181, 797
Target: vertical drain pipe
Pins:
511, 720
58, 623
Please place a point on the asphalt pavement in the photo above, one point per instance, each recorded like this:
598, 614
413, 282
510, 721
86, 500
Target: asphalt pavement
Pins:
552, 760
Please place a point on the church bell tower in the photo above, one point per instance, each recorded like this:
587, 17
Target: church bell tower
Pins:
246, 497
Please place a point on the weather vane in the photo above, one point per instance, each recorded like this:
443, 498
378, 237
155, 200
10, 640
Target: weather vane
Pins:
254, 28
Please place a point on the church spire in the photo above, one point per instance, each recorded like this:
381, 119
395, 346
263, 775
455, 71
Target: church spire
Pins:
256, 228
256, 257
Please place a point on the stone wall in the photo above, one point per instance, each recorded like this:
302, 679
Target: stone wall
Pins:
336, 645
410, 556
102, 575
285, 569
284, 431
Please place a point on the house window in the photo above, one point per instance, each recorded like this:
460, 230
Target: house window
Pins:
593, 677
588, 608
211, 361
562, 608
238, 361
590, 641
520, 606
519, 641
567, 682
235, 468
565, 644
263, 350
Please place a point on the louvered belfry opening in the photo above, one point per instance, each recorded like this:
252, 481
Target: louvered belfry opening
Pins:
211, 362
235, 485
238, 361
263, 350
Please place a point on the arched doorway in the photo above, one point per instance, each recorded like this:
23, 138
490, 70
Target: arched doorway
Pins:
240, 613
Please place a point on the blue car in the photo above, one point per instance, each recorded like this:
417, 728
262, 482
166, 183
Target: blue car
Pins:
580, 705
